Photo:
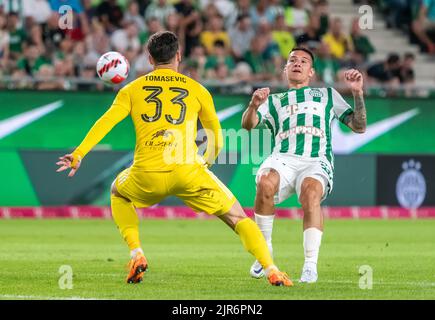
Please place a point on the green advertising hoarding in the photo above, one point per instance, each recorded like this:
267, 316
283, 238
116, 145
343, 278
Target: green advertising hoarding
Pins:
32, 123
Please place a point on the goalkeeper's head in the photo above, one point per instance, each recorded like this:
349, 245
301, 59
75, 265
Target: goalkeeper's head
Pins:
164, 49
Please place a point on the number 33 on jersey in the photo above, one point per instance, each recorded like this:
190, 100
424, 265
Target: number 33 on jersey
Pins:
164, 106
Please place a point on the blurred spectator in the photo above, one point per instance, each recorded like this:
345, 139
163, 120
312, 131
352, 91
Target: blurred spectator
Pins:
407, 74
8, 6
142, 64
321, 13
75, 5
362, 44
241, 36
297, 17
4, 42
219, 55
35, 36
225, 7
32, 60
190, 25
80, 22
197, 59
51, 34
126, 38
325, 65
153, 26
133, 15
284, 39
262, 12
424, 25
110, 15
17, 36
262, 68
395, 12
159, 9
339, 43
37, 10
386, 71
173, 24
97, 41
311, 38
215, 31
242, 8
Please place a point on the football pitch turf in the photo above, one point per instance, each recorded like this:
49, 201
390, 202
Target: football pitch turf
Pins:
204, 259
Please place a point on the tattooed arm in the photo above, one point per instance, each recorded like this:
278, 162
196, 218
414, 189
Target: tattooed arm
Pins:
357, 121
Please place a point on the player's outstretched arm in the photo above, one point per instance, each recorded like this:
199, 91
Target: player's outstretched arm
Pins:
250, 118
117, 112
357, 121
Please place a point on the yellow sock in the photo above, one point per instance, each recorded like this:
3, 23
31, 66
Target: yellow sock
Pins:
254, 242
125, 217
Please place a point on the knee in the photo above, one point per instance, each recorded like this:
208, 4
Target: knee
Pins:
266, 189
310, 198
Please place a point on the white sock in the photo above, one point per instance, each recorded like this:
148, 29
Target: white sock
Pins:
265, 224
312, 240
135, 251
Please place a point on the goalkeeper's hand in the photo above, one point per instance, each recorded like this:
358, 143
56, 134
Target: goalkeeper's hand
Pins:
69, 161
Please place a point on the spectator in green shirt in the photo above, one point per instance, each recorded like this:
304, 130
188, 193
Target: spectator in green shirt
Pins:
284, 39
32, 60
262, 68
361, 43
16, 36
219, 56
325, 66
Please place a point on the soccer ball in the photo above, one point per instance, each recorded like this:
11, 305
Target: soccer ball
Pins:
113, 67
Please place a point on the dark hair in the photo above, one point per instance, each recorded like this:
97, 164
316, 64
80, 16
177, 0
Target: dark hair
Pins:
409, 55
219, 43
304, 50
163, 46
393, 58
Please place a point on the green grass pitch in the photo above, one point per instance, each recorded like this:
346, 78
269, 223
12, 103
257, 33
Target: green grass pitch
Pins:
204, 259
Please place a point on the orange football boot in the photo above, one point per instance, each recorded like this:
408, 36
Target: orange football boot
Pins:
137, 267
278, 278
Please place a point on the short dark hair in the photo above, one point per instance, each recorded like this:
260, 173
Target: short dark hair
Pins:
393, 58
163, 46
219, 43
409, 55
304, 50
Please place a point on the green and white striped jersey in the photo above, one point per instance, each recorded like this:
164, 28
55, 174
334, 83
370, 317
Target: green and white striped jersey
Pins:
300, 120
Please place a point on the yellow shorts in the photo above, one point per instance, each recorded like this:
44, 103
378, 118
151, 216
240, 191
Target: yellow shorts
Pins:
194, 184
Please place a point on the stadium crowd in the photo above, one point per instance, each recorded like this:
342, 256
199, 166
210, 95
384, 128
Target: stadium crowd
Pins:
222, 41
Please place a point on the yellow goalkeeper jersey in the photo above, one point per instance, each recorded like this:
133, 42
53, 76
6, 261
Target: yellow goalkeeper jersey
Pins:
165, 106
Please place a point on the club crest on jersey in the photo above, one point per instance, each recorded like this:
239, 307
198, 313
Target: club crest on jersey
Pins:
316, 93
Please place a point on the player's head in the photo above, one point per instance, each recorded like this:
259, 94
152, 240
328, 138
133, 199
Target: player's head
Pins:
163, 48
299, 68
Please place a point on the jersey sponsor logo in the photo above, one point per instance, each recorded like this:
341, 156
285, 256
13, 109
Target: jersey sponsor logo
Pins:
411, 185
161, 133
302, 130
163, 143
345, 143
316, 93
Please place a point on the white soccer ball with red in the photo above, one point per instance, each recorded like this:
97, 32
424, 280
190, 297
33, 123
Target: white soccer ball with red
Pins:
113, 67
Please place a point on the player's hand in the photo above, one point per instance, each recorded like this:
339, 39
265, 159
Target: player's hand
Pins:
259, 97
354, 80
69, 161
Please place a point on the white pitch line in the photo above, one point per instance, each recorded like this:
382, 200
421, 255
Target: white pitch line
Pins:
14, 296
380, 283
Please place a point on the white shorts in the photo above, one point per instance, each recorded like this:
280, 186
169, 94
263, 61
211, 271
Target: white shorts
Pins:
292, 172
